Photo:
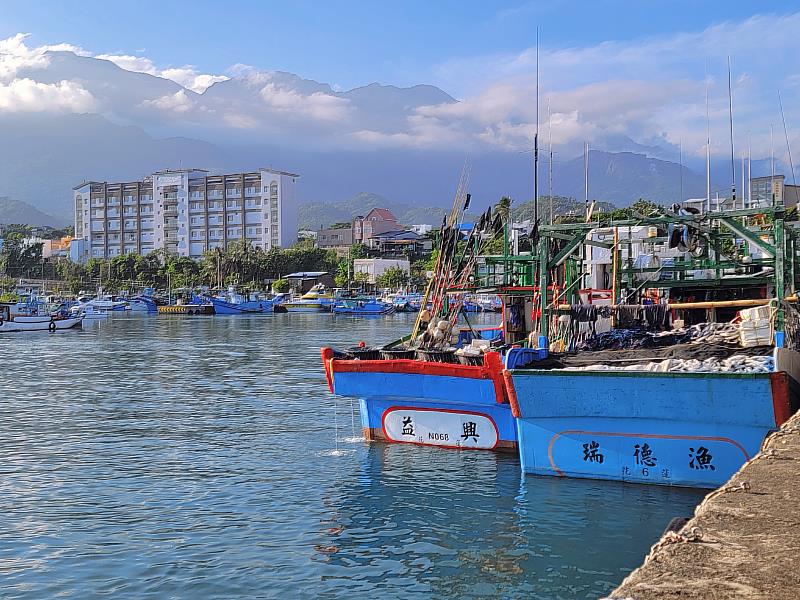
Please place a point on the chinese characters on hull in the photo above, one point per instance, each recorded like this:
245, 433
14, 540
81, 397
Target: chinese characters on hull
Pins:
470, 431
408, 426
700, 459
591, 453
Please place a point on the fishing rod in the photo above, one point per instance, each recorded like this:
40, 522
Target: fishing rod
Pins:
446, 222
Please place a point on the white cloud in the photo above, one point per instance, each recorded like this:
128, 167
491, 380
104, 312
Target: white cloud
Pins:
179, 102
189, 78
186, 76
645, 89
26, 95
15, 55
138, 64
318, 105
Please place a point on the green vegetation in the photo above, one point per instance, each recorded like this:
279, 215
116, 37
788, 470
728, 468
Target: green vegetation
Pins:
393, 277
240, 264
280, 286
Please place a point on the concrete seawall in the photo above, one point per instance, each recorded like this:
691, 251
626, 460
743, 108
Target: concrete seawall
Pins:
744, 539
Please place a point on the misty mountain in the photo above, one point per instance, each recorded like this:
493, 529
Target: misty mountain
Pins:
14, 211
130, 124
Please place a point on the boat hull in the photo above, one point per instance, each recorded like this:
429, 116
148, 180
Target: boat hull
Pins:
39, 324
221, 307
307, 306
684, 429
430, 404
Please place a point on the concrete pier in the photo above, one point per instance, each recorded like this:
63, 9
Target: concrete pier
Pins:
744, 539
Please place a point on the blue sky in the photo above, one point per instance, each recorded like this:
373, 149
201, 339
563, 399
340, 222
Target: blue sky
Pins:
354, 43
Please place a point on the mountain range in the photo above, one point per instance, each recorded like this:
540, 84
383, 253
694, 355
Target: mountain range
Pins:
15, 211
92, 119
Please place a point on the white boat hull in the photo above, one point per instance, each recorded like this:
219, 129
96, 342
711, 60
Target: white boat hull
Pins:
43, 323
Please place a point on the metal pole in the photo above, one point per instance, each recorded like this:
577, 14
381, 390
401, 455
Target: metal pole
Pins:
550, 169
730, 122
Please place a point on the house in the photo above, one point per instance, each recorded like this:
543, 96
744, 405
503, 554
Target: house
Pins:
376, 221
375, 267
399, 243
339, 239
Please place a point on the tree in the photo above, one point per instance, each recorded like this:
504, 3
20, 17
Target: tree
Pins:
18, 258
393, 277
280, 286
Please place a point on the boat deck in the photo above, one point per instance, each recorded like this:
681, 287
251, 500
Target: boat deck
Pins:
743, 541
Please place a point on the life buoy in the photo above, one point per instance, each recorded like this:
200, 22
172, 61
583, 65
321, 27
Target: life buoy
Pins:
52, 326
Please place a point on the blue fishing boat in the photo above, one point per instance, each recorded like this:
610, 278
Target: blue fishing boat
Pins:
411, 401
143, 303
686, 404
362, 308
233, 303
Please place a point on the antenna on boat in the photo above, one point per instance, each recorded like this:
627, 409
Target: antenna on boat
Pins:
550, 162
536, 141
749, 172
586, 176
708, 149
680, 167
786, 133
772, 164
730, 121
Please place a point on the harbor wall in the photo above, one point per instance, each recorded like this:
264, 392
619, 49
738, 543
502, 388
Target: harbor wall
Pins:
744, 538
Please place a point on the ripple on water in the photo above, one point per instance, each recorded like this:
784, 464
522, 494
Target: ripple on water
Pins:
196, 458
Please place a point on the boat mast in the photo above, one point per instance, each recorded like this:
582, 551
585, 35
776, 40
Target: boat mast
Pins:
730, 122
772, 164
550, 161
708, 150
536, 141
749, 172
586, 177
786, 133
680, 168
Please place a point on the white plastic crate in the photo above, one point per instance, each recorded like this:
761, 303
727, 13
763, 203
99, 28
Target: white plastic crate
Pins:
756, 332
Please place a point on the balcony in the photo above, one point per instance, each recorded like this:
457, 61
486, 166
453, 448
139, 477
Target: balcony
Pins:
233, 193
171, 212
251, 191
214, 194
144, 198
171, 196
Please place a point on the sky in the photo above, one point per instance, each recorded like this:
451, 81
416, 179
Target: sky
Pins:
610, 70
350, 44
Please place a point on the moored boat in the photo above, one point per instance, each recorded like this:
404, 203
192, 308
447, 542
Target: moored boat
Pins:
16, 323
367, 307
317, 299
233, 303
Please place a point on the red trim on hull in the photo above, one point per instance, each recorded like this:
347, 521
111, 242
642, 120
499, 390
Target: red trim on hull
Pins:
781, 405
491, 369
512, 394
494, 365
327, 364
410, 367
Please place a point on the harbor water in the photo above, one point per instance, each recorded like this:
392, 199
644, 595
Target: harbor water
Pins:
173, 457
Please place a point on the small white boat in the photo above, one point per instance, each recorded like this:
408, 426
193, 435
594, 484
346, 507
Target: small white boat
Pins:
35, 322
89, 311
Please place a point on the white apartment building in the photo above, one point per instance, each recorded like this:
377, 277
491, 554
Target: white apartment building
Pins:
185, 211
